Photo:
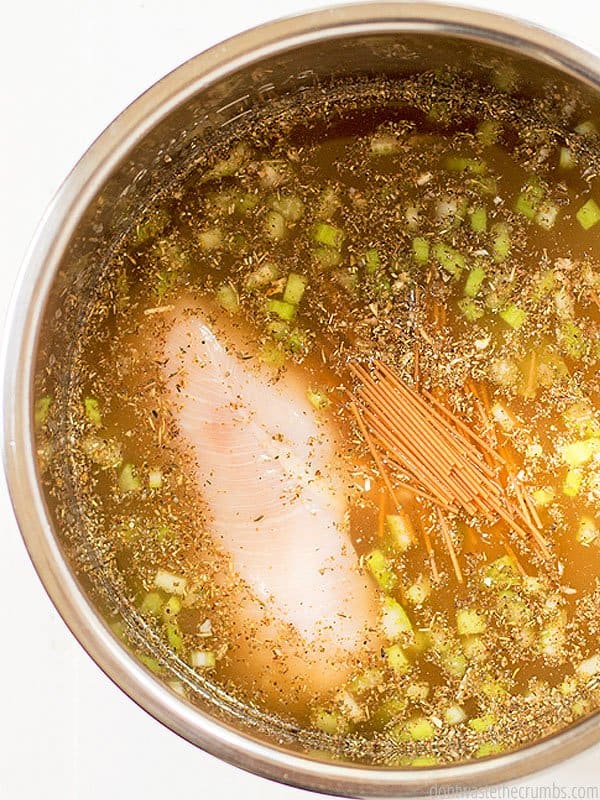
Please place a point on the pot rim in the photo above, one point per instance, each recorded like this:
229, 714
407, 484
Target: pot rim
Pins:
19, 346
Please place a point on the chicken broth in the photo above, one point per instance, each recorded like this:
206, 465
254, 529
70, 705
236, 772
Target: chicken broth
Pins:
335, 420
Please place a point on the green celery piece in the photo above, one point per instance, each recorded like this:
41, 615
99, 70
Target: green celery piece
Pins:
294, 288
478, 219
449, 258
529, 199
462, 164
285, 311
470, 310
271, 355
328, 235
228, 298
488, 749
372, 261
589, 214
470, 622
500, 241
566, 159
381, 569
572, 482
482, 724
274, 225
396, 658
41, 411
573, 340
92, 411
488, 132
174, 636
420, 247
152, 603
474, 280
128, 482
513, 316
501, 573
318, 399
263, 275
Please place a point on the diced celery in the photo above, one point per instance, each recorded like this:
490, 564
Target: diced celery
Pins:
155, 479
396, 658
152, 603
488, 749
231, 164
170, 582
530, 198
545, 284
418, 692
290, 207
470, 310
297, 341
150, 663
454, 715
327, 257
462, 164
493, 690
41, 411
245, 202
274, 225
573, 340
589, 214
263, 275
513, 315
501, 573
587, 128
318, 399
500, 241
285, 311
544, 496
394, 620
172, 607
420, 247
424, 761
211, 239
92, 411
128, 481
566, 159
512, 609
328, 235
482, 724
474, 280
572, 482
478, 219
294, 288
422, 642
174, 636
546, 214
401, 531
470, 622
389, 710
587, 531
487, 132
279, 329
372, 261
418, 592
381, 569
227, 298
474, 648
156, 222
271, 355
449, 258
420, 729
203, 659
576, 454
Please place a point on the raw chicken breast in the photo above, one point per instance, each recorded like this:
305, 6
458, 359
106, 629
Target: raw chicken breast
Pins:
266, 474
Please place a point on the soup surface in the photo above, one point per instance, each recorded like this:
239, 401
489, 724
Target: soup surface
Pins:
335, 420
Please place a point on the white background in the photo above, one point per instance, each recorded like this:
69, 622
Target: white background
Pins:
67, 67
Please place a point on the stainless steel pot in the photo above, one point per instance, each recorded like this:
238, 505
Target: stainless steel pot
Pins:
121, 169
